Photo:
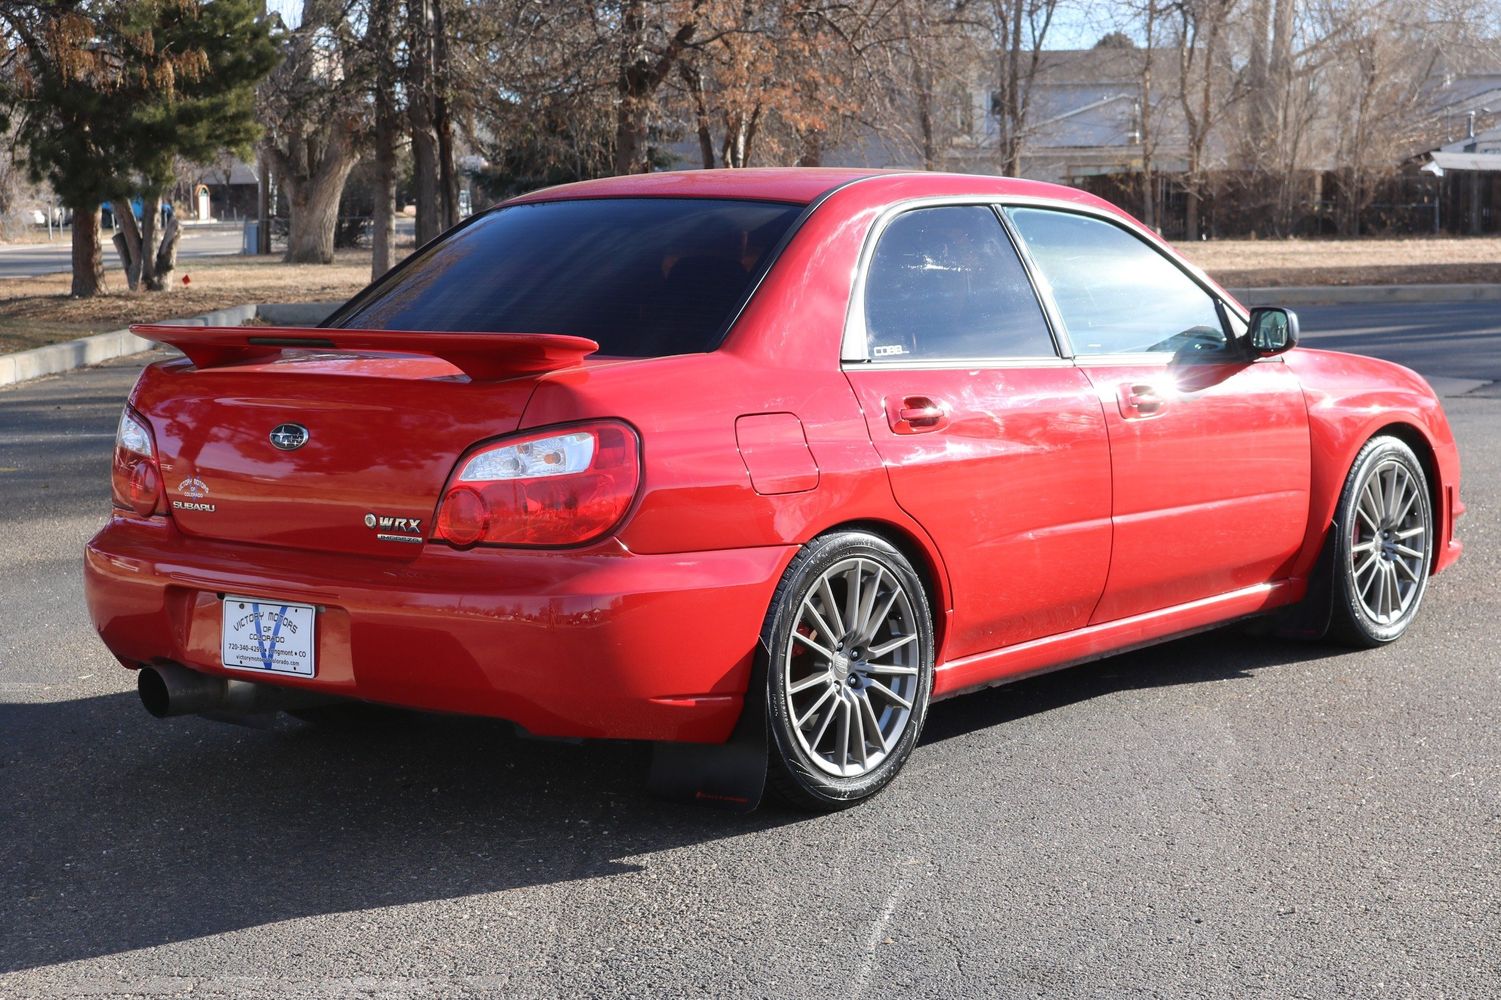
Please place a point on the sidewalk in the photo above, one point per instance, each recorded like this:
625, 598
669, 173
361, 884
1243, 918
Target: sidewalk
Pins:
55, 359
1326, 295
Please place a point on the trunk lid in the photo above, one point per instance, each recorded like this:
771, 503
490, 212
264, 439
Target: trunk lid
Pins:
381, 430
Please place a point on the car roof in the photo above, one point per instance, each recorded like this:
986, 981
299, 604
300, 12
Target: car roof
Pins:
795, 185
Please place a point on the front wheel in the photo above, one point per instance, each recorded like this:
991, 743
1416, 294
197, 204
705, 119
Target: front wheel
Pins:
1383, 545
849, 642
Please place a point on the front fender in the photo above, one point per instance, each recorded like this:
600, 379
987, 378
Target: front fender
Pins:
1350, 400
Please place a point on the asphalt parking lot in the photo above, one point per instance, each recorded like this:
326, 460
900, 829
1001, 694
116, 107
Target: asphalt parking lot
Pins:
1223, 816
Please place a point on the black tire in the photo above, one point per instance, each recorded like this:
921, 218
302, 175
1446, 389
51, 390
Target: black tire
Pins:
1364, 614
802, 776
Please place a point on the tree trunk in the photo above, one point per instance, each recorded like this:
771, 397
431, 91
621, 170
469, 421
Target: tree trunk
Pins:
705, 142
127, 240
313, 177
88, 263
638, 75
1148, 139
695, 84
383, 234
166, 254
315, 215
630, 116
425, 181
925, 99
448, 179
151, 210
630, 137
811, 150
420, 112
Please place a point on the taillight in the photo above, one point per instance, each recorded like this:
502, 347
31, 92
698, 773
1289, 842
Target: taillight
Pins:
136, 480
562, 486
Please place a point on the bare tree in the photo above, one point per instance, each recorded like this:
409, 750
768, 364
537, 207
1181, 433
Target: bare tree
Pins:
1207, 89
650, 38
1387, 54
317, 124
1020, 31
381, 47
768, 78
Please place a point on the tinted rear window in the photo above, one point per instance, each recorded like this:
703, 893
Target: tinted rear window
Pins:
644, 277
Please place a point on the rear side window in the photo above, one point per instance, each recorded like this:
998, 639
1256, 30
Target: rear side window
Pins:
946, 284
643, 277
1116, 294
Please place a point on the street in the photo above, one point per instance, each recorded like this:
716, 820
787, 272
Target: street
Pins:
1221, 816
22, 259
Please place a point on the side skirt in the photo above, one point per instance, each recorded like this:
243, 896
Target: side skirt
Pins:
1094, 642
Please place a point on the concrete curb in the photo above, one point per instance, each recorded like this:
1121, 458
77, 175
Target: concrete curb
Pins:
1366, 294
57, 358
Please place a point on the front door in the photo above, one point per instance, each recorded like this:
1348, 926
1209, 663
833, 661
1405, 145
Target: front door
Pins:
993, 443
1209, 448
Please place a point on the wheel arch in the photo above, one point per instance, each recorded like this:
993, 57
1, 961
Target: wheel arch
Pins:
1415, 438
924, 559
1339, 449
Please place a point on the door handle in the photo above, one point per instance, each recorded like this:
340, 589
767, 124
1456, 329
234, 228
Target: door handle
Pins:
921, 416
1139, 399
915, 414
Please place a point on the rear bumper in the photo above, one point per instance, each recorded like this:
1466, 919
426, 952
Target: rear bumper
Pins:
599, 643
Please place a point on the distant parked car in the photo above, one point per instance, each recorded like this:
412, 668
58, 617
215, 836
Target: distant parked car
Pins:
658, 457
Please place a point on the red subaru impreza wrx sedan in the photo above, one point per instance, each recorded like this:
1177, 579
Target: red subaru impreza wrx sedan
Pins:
757, 463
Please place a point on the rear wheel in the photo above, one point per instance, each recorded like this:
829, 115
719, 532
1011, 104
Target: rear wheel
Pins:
1383, 545
849, 639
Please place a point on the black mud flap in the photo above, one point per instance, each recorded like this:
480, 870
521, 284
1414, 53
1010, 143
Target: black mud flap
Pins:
1310, 617
728, 775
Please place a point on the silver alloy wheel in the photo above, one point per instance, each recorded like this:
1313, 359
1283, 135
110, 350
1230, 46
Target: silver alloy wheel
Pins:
850, 674
1389, 542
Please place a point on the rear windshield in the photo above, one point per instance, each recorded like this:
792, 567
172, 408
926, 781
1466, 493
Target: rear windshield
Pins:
643, 277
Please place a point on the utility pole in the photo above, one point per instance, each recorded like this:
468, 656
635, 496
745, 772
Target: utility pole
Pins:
262, 188
262, 204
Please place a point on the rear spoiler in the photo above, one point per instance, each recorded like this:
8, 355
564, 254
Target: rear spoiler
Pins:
481, 356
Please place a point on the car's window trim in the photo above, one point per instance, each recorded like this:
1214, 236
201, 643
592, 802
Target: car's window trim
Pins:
854, 344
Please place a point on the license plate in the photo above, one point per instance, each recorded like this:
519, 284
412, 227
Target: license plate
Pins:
269, 636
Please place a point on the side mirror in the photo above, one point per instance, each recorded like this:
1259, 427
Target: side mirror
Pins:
1273, 330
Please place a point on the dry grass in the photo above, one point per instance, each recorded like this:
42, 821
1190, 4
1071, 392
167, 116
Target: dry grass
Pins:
30, 235
1263, 263
37, 310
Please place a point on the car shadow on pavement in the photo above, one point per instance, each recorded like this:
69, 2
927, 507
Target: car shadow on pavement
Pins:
120, 832
1225, 654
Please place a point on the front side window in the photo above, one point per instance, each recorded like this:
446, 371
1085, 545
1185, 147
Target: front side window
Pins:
946, 284
1115, 294
644, 277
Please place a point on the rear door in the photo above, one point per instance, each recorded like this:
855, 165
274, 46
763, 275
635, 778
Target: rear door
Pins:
1210, 448
993, 442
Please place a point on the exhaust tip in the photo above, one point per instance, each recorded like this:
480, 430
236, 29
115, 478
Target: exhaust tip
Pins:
152, 687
